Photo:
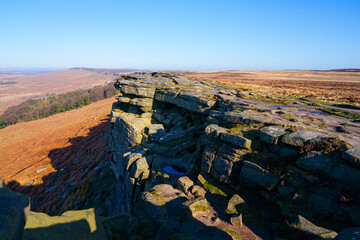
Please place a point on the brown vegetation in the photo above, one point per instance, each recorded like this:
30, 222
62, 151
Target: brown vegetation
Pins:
46, 84
39, 108
27, 149
332, 86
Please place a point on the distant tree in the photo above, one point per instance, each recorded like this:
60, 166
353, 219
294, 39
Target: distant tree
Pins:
3, 124
86, 100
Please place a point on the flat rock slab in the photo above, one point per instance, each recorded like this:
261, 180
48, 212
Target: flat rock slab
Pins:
236, 140
79, 225
308, 227
298, 138
252, 173
271, 134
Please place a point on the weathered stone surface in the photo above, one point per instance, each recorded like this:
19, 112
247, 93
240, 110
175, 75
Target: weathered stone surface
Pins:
159, 117
13, 207
188, 101
140, 167
234, 117
72, 225
151, 207
127, 131
184, 183
145, 104
249, 117
318, 163
221, 169
271, 134
236, 140
146, 115
198, 204
352, 155
298, 138
156, 131
124, 161
137, 88
197, 191
175, 141
207, 160
308, 227
237, 205
166, 191
236, 220
252, 173
214, 130
123, 99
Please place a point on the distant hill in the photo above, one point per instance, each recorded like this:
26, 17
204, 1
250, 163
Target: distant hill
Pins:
41, 85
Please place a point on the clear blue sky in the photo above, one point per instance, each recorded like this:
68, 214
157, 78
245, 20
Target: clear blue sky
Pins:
277, 34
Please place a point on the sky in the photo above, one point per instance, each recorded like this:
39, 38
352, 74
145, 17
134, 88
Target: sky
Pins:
180, 35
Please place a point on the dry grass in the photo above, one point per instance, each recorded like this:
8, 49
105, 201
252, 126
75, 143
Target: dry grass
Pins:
329, 86
41, 85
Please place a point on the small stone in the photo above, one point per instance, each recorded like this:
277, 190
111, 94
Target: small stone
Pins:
184, 183
198, 204
198, 191
236, 205
236, 220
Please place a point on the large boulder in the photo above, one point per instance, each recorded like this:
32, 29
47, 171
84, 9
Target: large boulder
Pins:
136, 88
198, 204
184, 183
271, 134
236, 140
236, 205
145, 104
318, 163
13, 208
301, 223
72, 225
252, 173
298, 138
221, 169
189, 101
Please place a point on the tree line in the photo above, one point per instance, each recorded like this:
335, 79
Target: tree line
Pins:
33, 109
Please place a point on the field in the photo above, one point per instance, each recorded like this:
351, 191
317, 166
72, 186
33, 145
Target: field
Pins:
42, 85
31, 152
335, 87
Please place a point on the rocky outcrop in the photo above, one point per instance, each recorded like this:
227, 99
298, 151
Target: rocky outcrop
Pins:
167, 129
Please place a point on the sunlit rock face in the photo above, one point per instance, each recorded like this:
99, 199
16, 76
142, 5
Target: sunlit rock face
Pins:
165, 127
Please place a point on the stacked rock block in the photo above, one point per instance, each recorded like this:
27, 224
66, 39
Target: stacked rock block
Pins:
167, 120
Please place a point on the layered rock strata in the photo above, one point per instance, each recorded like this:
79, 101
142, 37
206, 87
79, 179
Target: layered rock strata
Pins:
165, 126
